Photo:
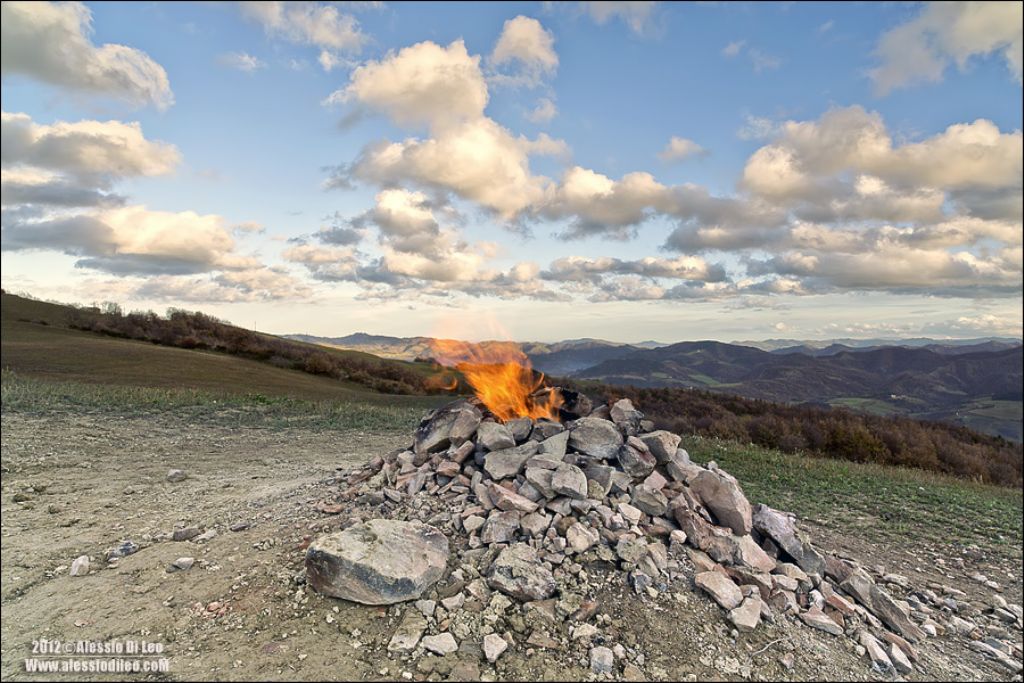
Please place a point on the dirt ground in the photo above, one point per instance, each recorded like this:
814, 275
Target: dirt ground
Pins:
77, 484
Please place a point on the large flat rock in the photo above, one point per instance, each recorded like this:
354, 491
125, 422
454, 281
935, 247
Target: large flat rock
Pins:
721, 494
378, 562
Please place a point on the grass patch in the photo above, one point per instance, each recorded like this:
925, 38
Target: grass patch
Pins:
26, 395
872, 501
868, 405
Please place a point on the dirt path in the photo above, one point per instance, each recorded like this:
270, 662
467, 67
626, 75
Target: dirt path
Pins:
81, 484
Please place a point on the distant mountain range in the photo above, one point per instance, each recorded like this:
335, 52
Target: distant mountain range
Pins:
976, 382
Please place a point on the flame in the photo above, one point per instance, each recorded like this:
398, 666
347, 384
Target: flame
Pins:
501, 376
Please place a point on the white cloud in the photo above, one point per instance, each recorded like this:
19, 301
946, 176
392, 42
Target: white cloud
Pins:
762, 61
920, 50
544, 112
636, 14
101, 150
421, 84
133, 239
757, 128
240, 286
583, 269
808, 155
242, 61
734, 48
478, 160
50, 42
310, 23
681, 148
529, 48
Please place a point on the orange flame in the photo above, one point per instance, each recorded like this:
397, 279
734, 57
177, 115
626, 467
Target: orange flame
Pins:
501, 376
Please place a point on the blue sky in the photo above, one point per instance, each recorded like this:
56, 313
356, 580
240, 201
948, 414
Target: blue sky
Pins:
843, 170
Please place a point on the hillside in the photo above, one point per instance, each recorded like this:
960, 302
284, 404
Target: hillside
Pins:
981, 389
558, 358
38, 341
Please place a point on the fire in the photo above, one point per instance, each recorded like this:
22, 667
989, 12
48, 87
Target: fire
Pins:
501, 376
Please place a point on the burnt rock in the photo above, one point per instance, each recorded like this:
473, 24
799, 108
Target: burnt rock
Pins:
635, 458
449, 425
574, 405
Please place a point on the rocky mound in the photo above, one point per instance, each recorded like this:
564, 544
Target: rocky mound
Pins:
532, 509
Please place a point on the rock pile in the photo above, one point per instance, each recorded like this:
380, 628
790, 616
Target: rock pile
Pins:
528, 504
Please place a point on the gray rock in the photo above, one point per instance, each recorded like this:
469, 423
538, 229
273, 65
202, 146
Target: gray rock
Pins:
569, 481
494, 646
535, 523
815, 618
879, 659
500, 527
504, 499
631, 549
509, 462
124, 550
601, 475
650, 501
662, 444
874, 599
581, 538
635, 458
449, 425
378, 562
540, 479
780, 527
185, 534
175, 476
554, 446
722, 495
518, 573
721, 588
747, 616
472, 523
545, 429
426, 607
410, 630
899, 660
182, 564
494, 436
80, 566
721, 544
520, 428
595, 437
625, 415
602, 660
443, 644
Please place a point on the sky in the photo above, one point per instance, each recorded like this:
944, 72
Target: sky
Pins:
534, 171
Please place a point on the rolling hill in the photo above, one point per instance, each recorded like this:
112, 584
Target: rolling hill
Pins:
980, 388
38, 341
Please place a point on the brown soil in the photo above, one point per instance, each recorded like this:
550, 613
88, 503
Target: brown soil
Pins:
85, 483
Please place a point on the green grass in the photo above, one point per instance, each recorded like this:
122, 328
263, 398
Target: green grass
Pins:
868, 405
26, 395
874, 502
